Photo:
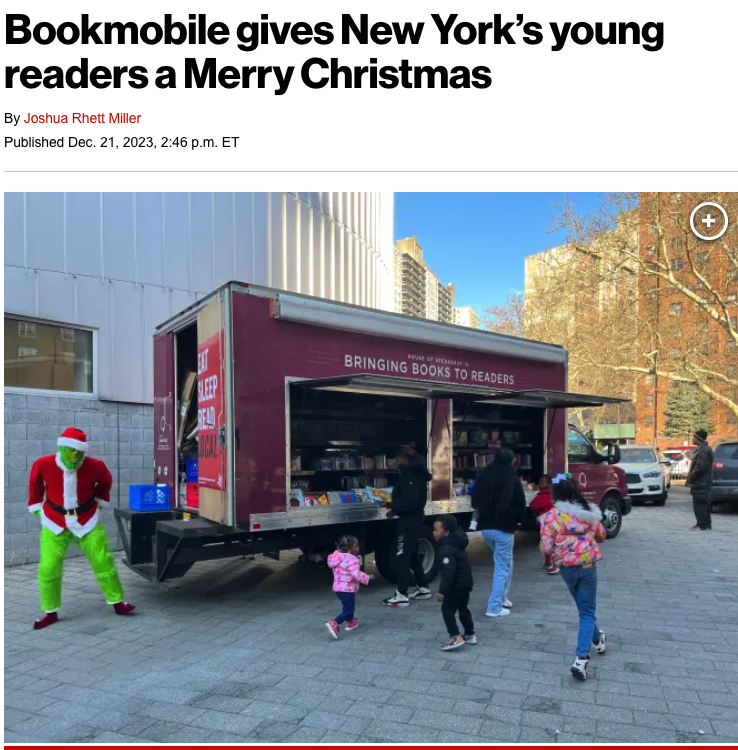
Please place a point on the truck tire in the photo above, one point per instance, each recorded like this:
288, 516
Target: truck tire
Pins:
612, 515
385, 559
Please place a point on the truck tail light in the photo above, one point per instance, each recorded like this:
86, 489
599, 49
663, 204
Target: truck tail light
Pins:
718, 465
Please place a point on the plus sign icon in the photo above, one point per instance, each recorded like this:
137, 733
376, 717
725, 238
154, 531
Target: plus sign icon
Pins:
709, 221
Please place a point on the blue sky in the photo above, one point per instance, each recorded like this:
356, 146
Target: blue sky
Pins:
478, 241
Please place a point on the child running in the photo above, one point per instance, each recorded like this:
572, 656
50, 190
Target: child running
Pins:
540, 505
456, 581
570, 532
347, 576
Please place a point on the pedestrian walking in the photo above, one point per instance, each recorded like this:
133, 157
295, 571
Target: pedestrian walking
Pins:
456, 581
699, 481
570, 533
499, 502
409, 497
347, 576
540, 505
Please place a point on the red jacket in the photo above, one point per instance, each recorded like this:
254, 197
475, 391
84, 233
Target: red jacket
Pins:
52, 482
542, 502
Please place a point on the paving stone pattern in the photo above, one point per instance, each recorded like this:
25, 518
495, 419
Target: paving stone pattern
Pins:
122, 435
237, 651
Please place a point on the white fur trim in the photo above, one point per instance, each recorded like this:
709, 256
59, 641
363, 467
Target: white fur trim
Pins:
592, 515
50, 525
100, 501
70, 484
36, 506
78, 529
78, 445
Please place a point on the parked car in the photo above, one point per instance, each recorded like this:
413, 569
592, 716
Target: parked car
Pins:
644, 474
680, 459
725, 474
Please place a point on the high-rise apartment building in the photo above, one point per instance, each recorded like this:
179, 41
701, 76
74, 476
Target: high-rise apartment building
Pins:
418, 291
467, 316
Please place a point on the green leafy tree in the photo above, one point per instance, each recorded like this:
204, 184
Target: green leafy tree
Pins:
687, 410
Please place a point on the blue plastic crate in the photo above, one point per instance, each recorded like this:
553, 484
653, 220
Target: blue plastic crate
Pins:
149, 497
191, 471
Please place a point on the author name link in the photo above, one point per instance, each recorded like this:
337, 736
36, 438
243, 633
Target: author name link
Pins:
80, 118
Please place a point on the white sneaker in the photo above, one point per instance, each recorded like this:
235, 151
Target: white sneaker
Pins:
579, 668
398, 600
419, 592
601, 647
502, 613
507, 604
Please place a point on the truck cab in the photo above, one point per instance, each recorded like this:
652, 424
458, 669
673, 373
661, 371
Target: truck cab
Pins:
601, 482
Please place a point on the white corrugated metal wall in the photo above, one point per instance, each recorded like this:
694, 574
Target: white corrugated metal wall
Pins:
122, 263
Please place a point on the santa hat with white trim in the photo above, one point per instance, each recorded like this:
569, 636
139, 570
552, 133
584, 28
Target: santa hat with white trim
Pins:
73, 438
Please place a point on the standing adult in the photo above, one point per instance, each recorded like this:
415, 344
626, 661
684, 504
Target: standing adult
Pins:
65, 491
499, 500
699, 480
409, 497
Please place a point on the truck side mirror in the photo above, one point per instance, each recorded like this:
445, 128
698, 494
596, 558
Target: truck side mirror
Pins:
665, 461
612, 455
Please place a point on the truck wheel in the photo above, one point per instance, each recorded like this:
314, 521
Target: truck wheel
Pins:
385, 558
612, 516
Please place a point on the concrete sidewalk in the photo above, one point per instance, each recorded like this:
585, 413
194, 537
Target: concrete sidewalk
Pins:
237, 651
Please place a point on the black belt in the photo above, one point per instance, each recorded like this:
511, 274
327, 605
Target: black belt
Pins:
73, 511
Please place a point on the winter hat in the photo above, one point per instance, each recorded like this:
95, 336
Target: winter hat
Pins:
73, 438
701, 434
505, 457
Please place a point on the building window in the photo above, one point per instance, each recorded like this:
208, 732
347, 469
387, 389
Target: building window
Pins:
649, 400
676, 264
675, 243
649, 378
59, 360
648, 421
675, 332
675, 309
675, 352
26, 329
652, 251
700, 259
730, 347
733, 322
651, 295
653, 230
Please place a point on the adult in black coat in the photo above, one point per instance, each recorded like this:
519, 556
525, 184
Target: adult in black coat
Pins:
699, 481
409, 497
499, 503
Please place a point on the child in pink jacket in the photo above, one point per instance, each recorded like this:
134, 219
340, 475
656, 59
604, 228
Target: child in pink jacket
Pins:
570, 533
347, 576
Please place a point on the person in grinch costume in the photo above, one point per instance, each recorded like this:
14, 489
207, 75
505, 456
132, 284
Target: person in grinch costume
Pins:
65, 491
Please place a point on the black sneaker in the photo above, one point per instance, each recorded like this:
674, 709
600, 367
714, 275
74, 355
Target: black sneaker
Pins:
419, 592
579, 668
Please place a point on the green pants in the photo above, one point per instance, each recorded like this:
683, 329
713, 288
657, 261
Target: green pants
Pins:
96, 549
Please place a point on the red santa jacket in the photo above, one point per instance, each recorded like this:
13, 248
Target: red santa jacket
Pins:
68, 489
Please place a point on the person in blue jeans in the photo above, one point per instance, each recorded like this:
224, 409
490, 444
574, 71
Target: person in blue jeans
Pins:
570, 533
499, 504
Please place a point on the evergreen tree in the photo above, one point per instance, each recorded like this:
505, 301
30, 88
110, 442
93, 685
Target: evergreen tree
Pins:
687, 410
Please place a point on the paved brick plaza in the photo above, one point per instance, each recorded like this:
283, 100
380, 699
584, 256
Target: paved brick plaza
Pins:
237, 652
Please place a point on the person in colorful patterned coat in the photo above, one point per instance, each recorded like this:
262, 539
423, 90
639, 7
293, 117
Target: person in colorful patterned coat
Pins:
66, 490
570, 533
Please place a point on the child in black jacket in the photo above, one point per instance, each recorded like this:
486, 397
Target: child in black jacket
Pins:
456, 581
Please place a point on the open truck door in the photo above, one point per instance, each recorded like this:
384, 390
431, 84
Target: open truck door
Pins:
213, 434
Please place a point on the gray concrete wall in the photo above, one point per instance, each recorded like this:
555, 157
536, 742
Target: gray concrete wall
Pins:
120, 434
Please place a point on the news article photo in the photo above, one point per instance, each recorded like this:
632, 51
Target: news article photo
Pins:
371, 467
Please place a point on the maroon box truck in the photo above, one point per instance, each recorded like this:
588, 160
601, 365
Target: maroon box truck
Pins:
302, 405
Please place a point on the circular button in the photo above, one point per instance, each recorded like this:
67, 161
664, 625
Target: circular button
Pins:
709, 221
